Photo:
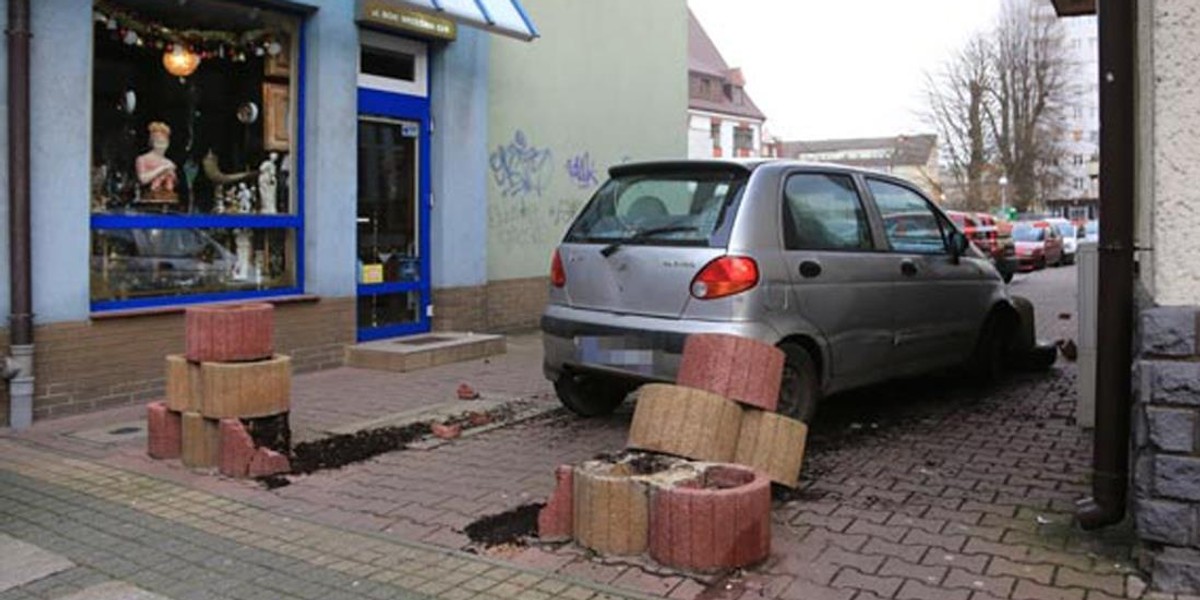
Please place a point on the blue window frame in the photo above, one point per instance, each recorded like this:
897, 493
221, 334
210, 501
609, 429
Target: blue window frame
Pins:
405, 108
198, 229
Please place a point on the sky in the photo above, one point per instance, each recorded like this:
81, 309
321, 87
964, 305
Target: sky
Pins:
840, 68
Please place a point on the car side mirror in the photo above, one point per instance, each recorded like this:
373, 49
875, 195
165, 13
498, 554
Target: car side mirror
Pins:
958, 244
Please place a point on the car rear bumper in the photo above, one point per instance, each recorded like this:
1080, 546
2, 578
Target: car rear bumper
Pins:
1029, 263
631, 346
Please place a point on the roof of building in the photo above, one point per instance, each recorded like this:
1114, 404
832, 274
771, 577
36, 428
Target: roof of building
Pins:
900, 150
705, 59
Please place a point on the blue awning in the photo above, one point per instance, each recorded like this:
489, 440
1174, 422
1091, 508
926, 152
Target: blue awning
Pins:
505, 17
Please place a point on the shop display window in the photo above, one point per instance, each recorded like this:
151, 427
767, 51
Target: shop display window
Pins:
195, 191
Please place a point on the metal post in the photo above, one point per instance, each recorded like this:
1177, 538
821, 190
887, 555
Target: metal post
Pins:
20, 364
1110, 459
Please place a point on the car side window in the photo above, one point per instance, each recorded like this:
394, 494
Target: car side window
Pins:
822, 211
911, 224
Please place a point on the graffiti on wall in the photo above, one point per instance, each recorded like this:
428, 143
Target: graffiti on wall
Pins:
521, 169
582, 171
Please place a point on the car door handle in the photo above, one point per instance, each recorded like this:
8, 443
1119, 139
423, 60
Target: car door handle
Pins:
908, 267
810, 269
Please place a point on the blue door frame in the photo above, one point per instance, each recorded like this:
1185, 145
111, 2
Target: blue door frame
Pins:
375, 103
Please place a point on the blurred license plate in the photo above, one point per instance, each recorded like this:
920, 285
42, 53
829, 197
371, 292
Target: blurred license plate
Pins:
625, 353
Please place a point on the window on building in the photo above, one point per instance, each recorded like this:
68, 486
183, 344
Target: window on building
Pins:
715, 131
1080, 183
1077, 160
743, 141
194, 195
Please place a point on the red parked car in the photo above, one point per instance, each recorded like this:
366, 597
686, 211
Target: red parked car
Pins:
1038, 245
982, 230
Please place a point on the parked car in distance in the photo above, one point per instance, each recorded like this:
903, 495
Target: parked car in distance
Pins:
1038, 245
1091, 231
1070, 238
855, 275
982, 230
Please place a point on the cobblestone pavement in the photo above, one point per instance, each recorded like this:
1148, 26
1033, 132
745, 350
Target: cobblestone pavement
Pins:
932, 488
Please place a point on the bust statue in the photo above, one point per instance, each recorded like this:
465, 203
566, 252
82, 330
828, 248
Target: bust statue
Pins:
155, 171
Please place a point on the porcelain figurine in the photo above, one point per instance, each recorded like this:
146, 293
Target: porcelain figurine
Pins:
243, 241
267, 186
155, 171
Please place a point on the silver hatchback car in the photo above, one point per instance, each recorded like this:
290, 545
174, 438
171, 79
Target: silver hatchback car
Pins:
855, 275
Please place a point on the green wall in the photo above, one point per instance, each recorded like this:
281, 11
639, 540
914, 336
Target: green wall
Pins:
606, 83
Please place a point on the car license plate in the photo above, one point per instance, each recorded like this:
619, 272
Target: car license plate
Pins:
620, 352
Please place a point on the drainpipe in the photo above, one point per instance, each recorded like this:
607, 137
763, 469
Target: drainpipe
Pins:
18, 367
1110, 458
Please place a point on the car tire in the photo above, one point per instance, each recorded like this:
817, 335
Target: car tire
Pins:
1007, 276
989, 361
590, 395
800, 392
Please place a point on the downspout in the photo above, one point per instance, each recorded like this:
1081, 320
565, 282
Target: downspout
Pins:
1110, 458
18, 367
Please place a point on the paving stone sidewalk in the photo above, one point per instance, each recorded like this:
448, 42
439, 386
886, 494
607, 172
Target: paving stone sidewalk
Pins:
117, 527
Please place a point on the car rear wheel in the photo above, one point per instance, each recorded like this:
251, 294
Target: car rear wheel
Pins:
990, 360
590, 395
800, 393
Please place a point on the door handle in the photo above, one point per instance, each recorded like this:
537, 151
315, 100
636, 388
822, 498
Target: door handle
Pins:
908, 267
810, 269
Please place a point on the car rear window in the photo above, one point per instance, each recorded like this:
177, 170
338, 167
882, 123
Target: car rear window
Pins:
1028, 233
684, 208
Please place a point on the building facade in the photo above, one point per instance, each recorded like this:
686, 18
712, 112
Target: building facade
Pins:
913, 157
338, 159
723, 121
1077, 195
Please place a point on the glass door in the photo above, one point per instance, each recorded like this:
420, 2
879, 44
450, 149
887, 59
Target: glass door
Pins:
393, 289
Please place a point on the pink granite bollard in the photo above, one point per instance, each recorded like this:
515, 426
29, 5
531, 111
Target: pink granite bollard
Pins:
267, 462
237, 449
230, 333
165, 431
741, 369
445, 432
556, 520
720, 520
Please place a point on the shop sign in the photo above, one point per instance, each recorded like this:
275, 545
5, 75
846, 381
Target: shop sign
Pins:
393, 15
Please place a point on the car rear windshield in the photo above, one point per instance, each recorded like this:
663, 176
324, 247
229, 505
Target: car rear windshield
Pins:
1029, 233
672, 208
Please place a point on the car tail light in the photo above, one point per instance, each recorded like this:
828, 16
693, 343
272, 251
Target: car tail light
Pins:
558, 275
725, 276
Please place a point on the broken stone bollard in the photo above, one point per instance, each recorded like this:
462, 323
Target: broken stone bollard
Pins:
164, 431
612, 503
556, 520
772, 444
741, 369
718, 520
685, 422
230, 333
201, 441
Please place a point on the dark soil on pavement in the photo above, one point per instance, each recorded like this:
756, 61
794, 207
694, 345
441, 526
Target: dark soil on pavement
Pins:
512, 527
340, 450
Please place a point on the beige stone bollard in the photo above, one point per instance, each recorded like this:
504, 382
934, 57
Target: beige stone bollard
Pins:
246, 390
772, 444
201, 441
183, 384
612, 501
685, 422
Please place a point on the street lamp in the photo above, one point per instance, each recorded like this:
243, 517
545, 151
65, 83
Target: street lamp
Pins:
1003, 193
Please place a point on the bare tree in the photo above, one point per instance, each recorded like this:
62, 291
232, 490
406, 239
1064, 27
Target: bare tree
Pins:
958, 98
1031, 89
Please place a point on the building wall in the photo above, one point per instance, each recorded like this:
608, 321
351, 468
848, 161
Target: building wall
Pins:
561, 113
87, 361
1175, 153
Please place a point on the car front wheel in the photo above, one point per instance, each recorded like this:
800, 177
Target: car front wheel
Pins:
800, 393
590, 395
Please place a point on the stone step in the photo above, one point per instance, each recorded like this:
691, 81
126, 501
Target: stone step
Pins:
411, 353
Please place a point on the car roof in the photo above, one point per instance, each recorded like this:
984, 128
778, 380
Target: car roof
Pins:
749, 165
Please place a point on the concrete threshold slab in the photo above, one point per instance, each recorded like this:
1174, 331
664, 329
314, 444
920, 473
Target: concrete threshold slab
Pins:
25, 563
411, 353
113, 590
